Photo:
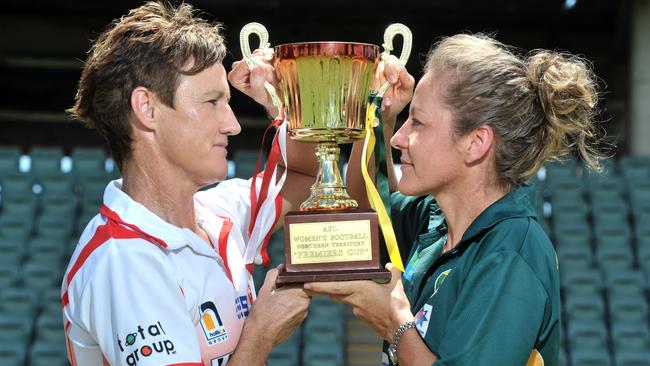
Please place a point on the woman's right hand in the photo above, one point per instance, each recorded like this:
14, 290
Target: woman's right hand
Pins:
400, 92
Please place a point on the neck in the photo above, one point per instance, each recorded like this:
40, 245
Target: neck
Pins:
463, 206
160, 189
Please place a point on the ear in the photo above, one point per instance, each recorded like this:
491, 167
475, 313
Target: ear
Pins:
479, 142
142, 106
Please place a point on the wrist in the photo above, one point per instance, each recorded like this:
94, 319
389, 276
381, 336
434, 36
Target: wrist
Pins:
394, 344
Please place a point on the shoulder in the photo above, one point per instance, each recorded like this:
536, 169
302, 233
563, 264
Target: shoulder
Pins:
228, 197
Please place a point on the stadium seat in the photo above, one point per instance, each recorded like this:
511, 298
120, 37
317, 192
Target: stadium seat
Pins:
88, 161
49, 328
9, 273
13, 251
590, 357
245, 161
19, 302
47, 354
566, 189
632, 358
569, 212
612, 258
12, 354
584, 308
643, 255
571, 235
21, 207
51, 302
628, 309
59, 228
9, 157
17, 185
46, 251
40, 276
45, 161
629, 282
322, 355
14, 329
566, 168
587, 335
581, 281
630, 336
634, 167
610, 213
571, 258
57, 185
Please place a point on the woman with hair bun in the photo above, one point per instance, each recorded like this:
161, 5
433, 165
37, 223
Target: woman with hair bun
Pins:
481, 285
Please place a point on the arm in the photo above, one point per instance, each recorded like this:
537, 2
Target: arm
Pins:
385, 307
394, 101
274, 316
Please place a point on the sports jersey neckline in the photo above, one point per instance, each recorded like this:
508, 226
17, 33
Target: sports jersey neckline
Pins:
133, 213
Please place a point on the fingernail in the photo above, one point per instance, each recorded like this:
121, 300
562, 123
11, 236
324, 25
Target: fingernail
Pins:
392, 78
387, 102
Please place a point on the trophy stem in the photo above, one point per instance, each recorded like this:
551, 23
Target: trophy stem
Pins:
328, 192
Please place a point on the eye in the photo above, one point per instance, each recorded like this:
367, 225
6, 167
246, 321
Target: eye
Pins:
213, 101
415, 122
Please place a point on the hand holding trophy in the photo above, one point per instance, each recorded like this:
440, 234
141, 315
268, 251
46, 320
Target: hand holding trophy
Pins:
327, 99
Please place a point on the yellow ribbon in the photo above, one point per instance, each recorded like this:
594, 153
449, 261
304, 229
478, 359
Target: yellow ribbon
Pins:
373, 195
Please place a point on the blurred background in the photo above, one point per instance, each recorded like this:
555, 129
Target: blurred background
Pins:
53, 170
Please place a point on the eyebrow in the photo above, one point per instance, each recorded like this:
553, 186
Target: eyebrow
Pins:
216, 93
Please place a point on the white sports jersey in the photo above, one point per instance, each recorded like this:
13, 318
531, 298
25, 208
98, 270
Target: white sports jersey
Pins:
140, 291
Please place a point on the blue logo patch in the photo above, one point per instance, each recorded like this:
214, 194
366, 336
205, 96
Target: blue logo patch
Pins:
241, 306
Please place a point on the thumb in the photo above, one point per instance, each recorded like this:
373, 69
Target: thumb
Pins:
269, 282
396, 274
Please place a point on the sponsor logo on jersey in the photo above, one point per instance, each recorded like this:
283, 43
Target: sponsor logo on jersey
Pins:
440, 280
148, 342
213, 328
221, 360
241, 305
422, 319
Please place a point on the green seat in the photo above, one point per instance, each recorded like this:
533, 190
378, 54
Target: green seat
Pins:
635, 167
323, 354
605, 189
15, 329
584, 308
590, 357
9, 273
40, 276
569, 212
45, 161
13, 252
88, 161
58, 185
639, 191
245, 161
628, 309
48, 354
288, 352
47, 251
575, 257
60, 207
587, 335
49, 328
570, 235
613, 236
17, 185
643, 254
611, 213
22, 207
55, 227
9, 156
641, 214
567, 188
632, 358
12, 353
51, 302
566, 168
629, 282
581, 281
613, 259
630, 336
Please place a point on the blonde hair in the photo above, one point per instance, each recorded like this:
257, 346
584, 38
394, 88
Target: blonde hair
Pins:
540, 107
149, 47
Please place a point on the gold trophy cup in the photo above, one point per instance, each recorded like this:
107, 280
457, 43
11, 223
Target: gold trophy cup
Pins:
325, 94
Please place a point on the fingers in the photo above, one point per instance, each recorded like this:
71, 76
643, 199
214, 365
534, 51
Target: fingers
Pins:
269, 282
334, 288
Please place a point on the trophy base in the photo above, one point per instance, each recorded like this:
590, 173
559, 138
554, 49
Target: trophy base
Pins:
379, 275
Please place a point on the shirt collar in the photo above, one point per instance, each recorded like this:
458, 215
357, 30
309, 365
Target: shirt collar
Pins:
132, 214
519, 202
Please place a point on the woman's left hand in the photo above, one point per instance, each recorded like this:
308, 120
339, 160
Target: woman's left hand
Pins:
384, 306
251, 82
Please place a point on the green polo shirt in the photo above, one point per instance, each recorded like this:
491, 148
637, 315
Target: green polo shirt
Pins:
494, 298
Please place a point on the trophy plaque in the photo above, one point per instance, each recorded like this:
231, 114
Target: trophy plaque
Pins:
325, 90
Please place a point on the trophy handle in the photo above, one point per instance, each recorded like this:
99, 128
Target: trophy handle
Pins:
261, 32
389, 35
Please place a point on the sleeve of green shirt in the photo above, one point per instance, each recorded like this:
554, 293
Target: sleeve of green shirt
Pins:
497, 316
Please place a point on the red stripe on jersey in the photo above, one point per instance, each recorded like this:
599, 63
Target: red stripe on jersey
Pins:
112, 229
115, 217
223, 245
68, 345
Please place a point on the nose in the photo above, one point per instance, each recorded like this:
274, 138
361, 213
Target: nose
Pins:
399, 140
230, 126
